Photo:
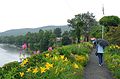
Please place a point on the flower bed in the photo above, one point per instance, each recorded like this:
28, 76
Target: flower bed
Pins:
66, 62
112, 59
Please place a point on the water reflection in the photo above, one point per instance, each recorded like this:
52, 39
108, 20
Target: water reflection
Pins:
8, 53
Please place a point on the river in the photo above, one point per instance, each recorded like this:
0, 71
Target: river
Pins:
8, 53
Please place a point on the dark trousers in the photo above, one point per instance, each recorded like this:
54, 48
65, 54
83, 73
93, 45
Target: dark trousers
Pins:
100, 58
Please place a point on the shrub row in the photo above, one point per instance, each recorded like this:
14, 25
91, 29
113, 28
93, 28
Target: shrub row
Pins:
112, 59
66, 62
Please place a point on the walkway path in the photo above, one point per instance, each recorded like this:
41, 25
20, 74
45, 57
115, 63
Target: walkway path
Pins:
94, 71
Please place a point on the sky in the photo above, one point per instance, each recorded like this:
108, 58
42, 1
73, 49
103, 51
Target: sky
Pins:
15, 14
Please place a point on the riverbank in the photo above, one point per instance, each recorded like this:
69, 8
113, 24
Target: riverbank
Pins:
8, 53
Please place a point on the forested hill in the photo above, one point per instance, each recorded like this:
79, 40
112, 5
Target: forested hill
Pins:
17, 32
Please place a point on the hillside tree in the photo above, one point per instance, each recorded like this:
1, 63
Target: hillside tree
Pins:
58, 32
82, 24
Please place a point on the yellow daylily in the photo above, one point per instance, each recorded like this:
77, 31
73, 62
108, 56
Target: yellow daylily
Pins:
110, 47
62, 56
48, 65
55, 58
47, 55
42, 69
114, 47
28, 70
80, 58
75, 66
66, 59
21, 74
22, 65
35, 70
24, 62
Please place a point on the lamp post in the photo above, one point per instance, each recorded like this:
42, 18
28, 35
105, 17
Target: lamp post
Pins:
102, 31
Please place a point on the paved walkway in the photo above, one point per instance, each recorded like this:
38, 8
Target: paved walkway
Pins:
94, 71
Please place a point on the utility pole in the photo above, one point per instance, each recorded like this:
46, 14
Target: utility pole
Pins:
102, 25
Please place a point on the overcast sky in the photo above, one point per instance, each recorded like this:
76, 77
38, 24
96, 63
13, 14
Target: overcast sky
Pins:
15, 14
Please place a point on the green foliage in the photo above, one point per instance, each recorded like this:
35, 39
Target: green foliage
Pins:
96, 31
112, 59
1, 72
56, 65
66, 38
110, 21
77, 25
89, 21
82, 24
113, 35
8, 67
37, 41
57, 32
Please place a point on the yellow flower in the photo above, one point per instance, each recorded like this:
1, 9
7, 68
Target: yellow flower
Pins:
75, 66
110, 47
35, 70
66, 59
28, 70
22, 65
62, 56
48, 65
24, 62
55, 58
114, 47
47, 55
118, 47
42, 69
80, 58
21, 74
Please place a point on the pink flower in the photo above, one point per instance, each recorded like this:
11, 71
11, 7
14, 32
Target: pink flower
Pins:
38, 52
50, 49
24, 46
34, 52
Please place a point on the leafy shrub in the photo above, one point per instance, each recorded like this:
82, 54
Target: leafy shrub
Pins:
112, 59
66, 62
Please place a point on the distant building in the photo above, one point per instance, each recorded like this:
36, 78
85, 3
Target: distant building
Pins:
59, 39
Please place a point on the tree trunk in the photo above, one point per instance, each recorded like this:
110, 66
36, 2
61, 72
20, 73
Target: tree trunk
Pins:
86, 37
78, 40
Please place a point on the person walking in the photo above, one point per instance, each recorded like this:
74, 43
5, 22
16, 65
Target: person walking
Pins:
100, 51
101, 44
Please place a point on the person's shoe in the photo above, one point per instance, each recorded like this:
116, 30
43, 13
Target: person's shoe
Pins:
100, 65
